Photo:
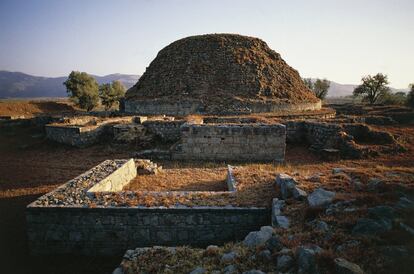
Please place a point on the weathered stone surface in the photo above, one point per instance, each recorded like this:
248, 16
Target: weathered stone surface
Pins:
284, 263
286, 184
343, 266
128, 133
372, 227
382, 212
118, 179
319, 225
274, 244
265, 255
282, 221
82, 131
212, 250
230, 269
218, 73
118, 270
374, 184
228, 257
254, 271
198, 270
258, 238
145, 166
405, 203
306, 259
277, 206
230, 180
320, 198
249, 142
167, 130
298, 193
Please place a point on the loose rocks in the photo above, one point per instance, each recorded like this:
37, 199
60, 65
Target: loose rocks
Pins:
320, 198
306, 257
284, 263
342, 266
258, 238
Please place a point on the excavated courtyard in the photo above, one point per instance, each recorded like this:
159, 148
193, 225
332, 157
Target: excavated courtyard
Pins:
394, 170
221, 155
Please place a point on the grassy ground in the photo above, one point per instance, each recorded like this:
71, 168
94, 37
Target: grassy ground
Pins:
181, 179
30, 167
30, 108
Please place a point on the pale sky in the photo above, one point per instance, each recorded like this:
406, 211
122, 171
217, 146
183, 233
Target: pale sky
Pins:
339, 40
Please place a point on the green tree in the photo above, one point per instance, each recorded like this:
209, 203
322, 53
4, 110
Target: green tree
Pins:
82, 89
308, 82
373, 88
111, 93
410, 97
397, 98
320, 87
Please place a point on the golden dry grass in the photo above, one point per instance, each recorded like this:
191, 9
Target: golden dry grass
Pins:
183, 179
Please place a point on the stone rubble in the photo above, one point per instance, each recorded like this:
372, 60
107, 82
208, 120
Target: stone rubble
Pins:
320, 198
145, 167
258, 238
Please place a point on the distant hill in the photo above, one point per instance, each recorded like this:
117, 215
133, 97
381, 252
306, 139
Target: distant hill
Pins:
340, 90
21, 85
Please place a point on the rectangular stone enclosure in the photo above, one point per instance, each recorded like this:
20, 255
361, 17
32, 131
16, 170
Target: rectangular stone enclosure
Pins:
112, 230
72, 219
245, 142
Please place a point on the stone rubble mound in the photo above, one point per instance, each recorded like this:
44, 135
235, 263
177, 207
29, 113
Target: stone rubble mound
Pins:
221, 71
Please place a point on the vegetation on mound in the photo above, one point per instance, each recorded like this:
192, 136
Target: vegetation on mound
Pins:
221, 70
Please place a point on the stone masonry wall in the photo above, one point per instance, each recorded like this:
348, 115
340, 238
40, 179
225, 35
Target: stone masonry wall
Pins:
78, 133
111, 230
74, 136
256, 142
317, 134
167, 130
159, 107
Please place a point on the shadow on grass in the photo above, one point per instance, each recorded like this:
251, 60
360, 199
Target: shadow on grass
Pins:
14, 252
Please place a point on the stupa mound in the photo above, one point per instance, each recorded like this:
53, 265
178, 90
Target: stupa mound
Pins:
219, 74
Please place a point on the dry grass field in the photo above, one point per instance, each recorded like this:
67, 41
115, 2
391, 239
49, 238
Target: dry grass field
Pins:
30, 108
31, 166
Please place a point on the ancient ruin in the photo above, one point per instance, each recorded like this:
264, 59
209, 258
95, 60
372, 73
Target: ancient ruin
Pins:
206, 132
222, 74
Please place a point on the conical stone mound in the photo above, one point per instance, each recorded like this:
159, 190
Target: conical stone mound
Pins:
219, 74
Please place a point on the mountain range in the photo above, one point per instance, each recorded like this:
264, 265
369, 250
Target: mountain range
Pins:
21, 85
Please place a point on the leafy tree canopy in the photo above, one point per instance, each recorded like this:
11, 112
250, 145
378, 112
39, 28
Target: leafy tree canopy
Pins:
410, 97
82, 89
372, 88
320, 87
111, 93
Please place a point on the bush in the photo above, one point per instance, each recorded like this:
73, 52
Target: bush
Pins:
82, 90
373, 88
111, 93
398, 98
410, 97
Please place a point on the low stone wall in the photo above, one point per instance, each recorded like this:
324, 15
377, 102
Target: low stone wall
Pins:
110, 231
72, 219
118, 179
73, 136
317, 134
79, 135
345, 138
256, 142
168, 131
159, 107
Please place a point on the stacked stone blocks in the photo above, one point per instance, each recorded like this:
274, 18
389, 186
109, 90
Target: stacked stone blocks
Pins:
250, 142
